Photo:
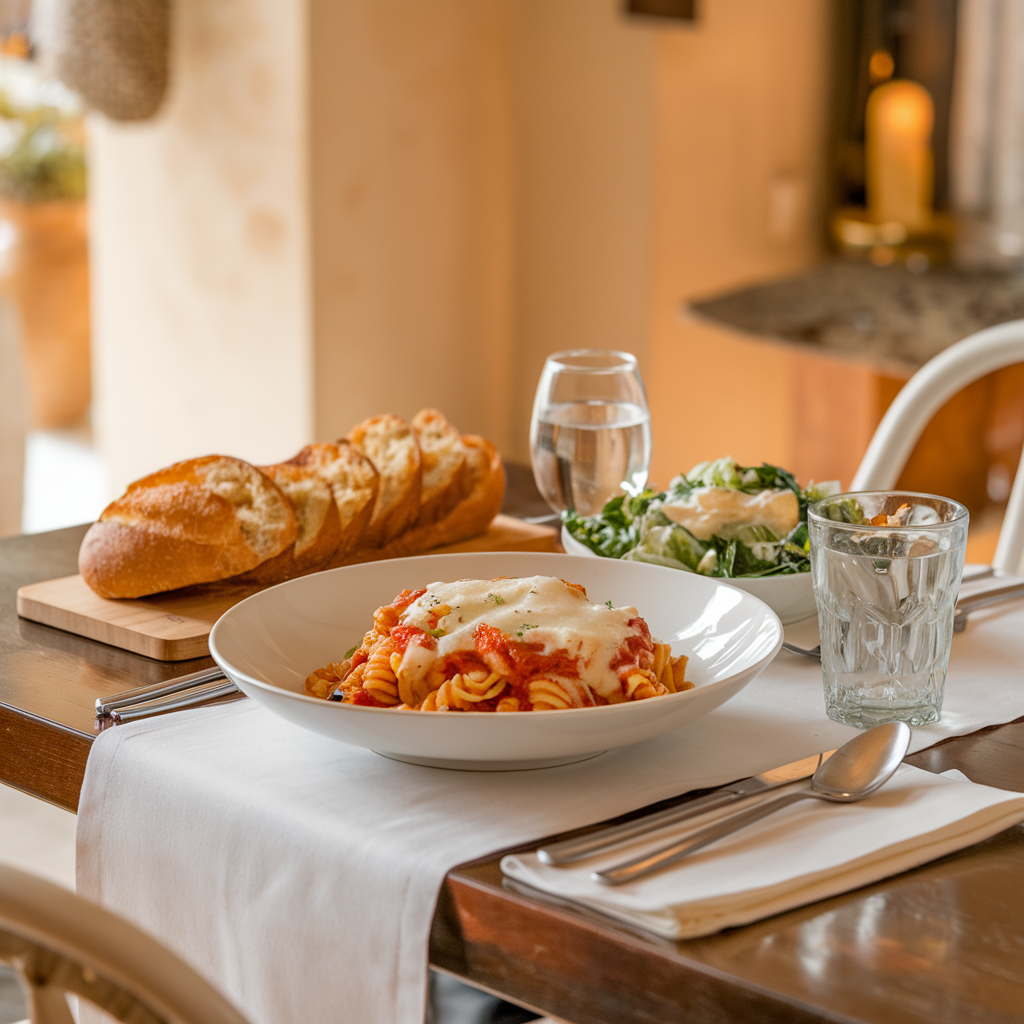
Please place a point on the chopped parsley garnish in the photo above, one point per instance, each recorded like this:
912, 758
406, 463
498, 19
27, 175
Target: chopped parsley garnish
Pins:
435, 632
608, 603
496, 598
350, 652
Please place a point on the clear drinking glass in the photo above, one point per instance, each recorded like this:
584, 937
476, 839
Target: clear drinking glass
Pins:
590, 434
886, 571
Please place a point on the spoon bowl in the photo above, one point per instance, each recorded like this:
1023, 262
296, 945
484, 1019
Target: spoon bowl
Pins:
861, 765
856, 770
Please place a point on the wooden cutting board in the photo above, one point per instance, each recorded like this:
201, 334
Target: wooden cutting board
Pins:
176, 626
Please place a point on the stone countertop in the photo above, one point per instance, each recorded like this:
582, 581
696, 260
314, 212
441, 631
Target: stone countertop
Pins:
888, 317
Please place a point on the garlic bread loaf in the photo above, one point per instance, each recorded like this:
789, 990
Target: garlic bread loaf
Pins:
389, 489
197, 521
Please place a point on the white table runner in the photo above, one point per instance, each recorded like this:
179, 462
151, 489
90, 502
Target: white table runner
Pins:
299, 874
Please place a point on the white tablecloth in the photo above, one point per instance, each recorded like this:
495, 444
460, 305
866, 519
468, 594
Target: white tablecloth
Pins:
300, 874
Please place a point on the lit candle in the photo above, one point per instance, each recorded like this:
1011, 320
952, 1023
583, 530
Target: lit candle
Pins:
900, 171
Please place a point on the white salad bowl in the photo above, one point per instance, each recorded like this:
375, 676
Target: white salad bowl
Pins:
269, 643
790, 597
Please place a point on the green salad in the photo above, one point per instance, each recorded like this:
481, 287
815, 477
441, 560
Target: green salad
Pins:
720, 519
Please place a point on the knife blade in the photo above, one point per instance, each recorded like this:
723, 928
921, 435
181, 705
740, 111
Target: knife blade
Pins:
571, 850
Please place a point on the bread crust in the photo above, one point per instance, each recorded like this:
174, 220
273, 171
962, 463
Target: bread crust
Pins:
447, 477
390, 444
198, 521
470, 517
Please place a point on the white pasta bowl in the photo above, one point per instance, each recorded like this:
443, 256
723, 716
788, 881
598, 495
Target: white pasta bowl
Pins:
790, 597
269, 643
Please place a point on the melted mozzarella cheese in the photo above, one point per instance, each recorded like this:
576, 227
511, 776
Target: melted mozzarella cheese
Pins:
535, 609
723, 512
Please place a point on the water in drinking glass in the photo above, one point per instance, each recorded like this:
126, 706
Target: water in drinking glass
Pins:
585, 453
590, 432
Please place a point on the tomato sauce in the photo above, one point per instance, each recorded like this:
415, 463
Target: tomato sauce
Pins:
360, 696
406, 598
637, 651
403, 635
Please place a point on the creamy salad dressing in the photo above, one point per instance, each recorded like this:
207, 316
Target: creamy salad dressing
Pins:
535, 609
724, 512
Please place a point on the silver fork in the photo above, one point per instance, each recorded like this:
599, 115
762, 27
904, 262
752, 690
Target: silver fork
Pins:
182, 692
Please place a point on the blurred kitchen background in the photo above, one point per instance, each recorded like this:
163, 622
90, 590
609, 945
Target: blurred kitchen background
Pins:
302, 214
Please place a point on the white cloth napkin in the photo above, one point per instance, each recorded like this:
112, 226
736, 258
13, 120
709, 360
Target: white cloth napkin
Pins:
300, 874
802, 853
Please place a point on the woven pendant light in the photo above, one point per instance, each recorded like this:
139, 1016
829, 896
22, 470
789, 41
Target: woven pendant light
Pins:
114, 53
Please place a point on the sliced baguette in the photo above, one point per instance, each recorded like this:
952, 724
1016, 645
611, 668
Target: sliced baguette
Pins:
354, 483
471, 516
390, 444
446, 473
197, 521
319, 528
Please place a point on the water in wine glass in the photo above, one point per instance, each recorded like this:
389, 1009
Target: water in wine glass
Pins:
585, 453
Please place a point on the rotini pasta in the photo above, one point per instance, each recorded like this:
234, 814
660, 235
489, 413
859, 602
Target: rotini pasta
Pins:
506, 645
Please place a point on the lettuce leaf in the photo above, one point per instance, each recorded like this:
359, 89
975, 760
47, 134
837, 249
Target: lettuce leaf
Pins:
615, 529
660, 536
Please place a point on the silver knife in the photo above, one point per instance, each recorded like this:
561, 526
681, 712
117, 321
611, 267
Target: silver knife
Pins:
571, 850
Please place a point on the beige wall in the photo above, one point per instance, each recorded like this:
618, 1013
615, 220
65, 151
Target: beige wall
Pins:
316, 228
349, 206
410, 211
741, 103
199, 250
584, 132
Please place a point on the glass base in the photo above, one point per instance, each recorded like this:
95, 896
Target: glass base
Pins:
866, 717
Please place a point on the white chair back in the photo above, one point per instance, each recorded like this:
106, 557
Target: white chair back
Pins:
922, 396
61, 943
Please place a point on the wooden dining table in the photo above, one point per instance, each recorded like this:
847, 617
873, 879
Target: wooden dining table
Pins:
942, 944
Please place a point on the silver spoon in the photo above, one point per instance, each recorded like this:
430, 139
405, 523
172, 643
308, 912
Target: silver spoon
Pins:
855, 770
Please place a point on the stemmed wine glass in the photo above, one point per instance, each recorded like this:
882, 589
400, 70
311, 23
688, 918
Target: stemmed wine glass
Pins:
590, 433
